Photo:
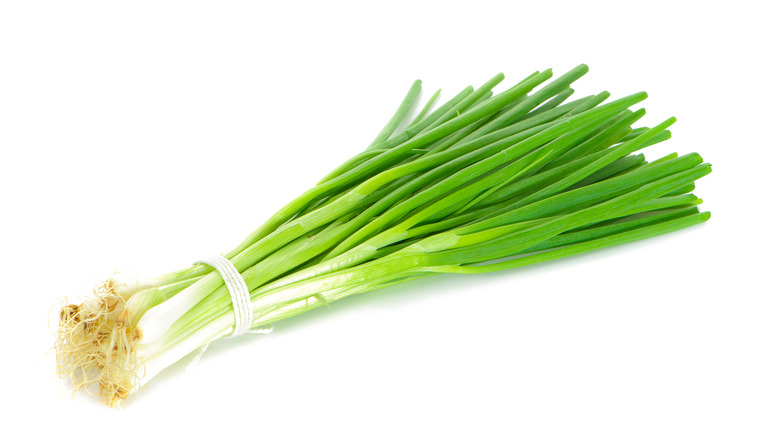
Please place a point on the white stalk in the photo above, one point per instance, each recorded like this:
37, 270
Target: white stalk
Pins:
153, 364
153, 360
159, 319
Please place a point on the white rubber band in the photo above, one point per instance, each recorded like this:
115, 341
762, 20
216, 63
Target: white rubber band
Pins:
239, 293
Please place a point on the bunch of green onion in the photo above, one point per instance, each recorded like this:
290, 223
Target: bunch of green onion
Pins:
483, 183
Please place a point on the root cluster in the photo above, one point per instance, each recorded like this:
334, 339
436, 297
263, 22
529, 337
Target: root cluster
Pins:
95, 345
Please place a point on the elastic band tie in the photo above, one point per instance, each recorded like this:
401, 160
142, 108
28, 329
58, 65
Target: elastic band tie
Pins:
239, 293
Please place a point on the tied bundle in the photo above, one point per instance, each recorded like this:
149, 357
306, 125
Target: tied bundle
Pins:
484, 182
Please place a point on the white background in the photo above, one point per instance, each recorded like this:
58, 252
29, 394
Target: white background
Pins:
140, 136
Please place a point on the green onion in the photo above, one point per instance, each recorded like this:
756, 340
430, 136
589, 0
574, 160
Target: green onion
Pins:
485, 182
